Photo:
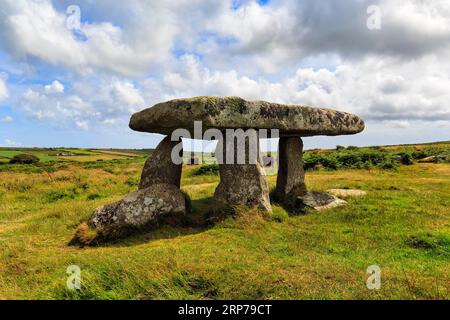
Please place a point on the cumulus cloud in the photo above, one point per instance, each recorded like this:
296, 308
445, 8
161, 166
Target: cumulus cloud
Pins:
399, 124
289, 31
377, 89
11, 143
142, 34
135, 38
95, 101
54, 87
3, 89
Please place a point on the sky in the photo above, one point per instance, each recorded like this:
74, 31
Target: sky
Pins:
72, 72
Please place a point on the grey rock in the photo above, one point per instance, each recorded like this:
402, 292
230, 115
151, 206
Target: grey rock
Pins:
435, 159
159, 167
291, 174
243, 184
234, 112
320, 200
140, 208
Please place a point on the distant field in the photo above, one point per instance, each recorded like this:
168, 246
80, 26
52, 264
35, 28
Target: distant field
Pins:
77, 155
402, 225
6, 155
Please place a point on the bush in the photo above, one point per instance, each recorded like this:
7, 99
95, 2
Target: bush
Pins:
406, 159
210, 169
368, 158
419, 154
330, 162
388, 165
24, 158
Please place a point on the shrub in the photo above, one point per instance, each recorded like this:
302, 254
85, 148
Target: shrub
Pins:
24, 158
406, 159
349, 159
330, 162
209, 169
419, 154
388, 165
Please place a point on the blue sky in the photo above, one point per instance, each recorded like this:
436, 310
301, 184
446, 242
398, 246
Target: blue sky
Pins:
74, 80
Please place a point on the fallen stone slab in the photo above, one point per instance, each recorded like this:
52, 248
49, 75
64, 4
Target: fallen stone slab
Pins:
234, 113
344, 193
141, 207
150, 206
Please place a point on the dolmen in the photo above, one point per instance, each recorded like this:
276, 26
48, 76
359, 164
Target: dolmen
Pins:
237, 125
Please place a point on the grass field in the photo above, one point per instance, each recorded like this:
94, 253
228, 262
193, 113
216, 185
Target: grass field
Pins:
402, 225
47, 155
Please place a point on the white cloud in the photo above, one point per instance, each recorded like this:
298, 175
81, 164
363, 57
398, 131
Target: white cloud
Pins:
54, 87
137, 37
140, 36
7, 119
90, 102
374, 88
286, 32
399, 124
83, 125
3, 89
11, 143
377, 89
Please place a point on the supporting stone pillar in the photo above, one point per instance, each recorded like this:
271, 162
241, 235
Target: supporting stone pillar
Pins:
159, 167
291, 189
242, 183
291, 174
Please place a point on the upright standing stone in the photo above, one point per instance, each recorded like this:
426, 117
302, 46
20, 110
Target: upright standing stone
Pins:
242, 184
291, 174
159, 168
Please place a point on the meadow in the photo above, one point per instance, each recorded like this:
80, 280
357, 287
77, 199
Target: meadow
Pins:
402, 225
